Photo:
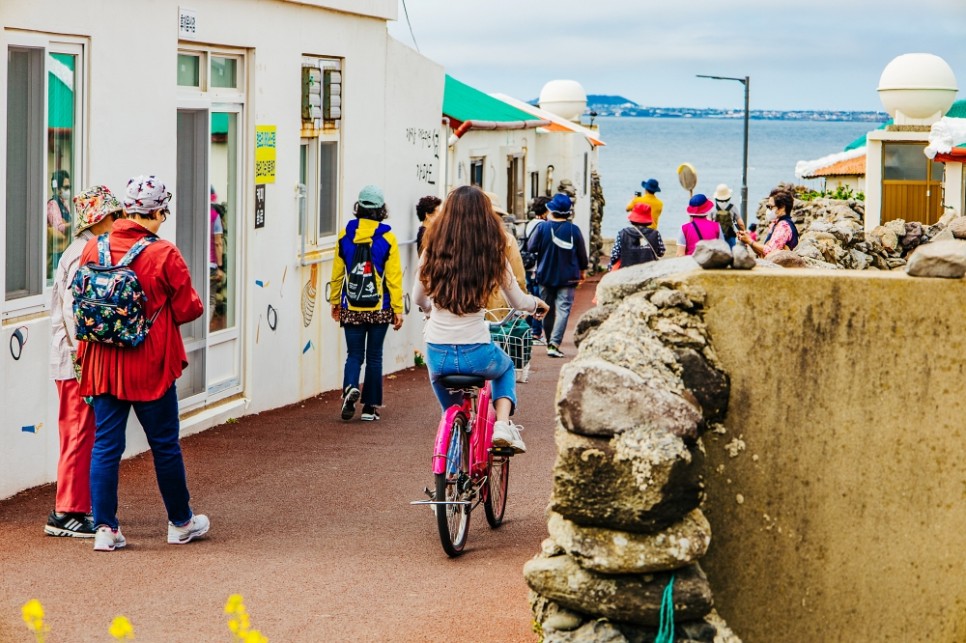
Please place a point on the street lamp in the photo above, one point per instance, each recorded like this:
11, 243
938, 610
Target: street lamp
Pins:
746, 81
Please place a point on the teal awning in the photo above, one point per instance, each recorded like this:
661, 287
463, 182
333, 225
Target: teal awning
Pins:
60, 92
464, 103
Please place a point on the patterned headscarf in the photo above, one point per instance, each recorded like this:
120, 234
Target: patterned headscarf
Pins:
145, 194
94, 204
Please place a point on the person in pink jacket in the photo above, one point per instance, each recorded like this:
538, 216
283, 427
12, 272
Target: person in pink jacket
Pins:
699, 228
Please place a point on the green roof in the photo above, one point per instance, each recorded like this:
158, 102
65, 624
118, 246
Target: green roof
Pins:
464, 103
958, 110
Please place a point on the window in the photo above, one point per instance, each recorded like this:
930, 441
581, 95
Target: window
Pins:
476, 172
328, 188
189, 70
209, 71
43, 152
320, 177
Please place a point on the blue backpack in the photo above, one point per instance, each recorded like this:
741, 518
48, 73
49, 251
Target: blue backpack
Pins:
109, 303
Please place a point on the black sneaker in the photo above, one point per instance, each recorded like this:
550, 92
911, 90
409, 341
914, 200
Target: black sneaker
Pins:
369, 414
349, 399
71, 525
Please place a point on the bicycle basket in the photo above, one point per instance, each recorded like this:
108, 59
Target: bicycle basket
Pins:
516, 340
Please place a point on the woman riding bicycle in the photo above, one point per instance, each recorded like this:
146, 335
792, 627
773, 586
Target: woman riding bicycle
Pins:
464, 260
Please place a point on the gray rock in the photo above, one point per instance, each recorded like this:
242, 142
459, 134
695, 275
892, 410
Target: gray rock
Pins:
958, 227
710, 385
612, 551
860, 259
712, 254
670, 298
633, 598
742, 257
887, 237
590, 390
896, 227
619, 284
550, 615
596, 631
787, 259
943, 235
638, 481
589, 322
945, 259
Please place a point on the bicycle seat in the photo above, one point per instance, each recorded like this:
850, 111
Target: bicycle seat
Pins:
461, 381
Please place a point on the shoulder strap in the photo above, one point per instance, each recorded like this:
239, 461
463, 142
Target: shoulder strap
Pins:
697, 230
104, 250
135, 250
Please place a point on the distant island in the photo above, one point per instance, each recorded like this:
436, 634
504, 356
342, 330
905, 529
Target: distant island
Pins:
605, 105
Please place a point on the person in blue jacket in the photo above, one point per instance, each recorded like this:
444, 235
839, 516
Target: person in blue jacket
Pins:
365, 327
561, 262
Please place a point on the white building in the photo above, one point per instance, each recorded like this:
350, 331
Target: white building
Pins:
516, 150
284, 108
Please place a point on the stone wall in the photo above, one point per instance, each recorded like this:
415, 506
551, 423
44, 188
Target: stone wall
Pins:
789, 444
625, 513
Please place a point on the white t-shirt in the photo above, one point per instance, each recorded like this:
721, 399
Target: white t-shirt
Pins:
445, 327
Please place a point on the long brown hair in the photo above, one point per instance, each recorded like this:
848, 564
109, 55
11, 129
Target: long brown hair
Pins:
464, 252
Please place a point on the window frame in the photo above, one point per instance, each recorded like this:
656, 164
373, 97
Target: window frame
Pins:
48, 43
315, 242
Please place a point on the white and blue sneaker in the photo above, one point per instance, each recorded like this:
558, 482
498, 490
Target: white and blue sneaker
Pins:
195, 528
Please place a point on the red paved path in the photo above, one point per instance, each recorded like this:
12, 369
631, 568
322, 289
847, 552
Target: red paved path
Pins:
310, 523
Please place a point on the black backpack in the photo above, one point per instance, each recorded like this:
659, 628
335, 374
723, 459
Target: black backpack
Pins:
635, 249
363, 284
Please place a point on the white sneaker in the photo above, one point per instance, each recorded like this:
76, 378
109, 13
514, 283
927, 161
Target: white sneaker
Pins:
107, 539
507, 434
196, 528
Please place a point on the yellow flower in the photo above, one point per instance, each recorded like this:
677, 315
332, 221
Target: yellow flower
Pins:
33, 613
121, 628
234, 602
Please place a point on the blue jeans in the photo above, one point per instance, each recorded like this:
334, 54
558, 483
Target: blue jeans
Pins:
161, 426
484, 360
364, 344
560, 299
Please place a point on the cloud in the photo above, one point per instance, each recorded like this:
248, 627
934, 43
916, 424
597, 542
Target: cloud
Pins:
828, 54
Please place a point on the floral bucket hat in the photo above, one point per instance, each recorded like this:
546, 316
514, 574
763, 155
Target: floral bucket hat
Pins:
93, 205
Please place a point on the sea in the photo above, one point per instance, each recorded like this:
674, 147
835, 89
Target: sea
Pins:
640, 148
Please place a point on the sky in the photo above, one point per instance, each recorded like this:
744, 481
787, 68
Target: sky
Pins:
818, 54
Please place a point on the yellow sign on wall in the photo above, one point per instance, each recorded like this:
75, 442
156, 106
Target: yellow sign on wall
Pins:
265, 153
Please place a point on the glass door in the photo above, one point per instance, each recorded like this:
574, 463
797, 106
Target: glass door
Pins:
192, 222
224, 258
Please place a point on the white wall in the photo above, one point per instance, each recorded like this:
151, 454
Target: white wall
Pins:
132, 101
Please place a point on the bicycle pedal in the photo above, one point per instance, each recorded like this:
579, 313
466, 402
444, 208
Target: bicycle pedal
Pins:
431, 494
502, 451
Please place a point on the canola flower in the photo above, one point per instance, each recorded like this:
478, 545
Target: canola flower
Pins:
239, 623
33, 616
121, 628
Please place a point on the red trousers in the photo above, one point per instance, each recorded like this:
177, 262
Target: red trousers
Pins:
75, 419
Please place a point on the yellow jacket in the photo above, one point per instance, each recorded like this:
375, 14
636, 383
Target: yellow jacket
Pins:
385, 257
651, 199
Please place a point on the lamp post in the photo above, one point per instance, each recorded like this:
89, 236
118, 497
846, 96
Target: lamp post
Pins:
746, 81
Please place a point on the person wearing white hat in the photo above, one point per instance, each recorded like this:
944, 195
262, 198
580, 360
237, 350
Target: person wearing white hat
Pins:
726, 215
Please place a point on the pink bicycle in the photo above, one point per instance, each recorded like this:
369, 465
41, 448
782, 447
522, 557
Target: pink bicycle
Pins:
467, 468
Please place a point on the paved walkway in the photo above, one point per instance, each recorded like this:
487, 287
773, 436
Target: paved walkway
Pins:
310, 524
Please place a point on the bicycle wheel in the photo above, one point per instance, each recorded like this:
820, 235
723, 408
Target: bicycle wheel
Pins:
497, 484
453, 485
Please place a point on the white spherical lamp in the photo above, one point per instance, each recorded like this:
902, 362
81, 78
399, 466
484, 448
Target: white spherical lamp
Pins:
565, 98
917, 89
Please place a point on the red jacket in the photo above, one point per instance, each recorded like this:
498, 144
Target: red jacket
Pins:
144, 373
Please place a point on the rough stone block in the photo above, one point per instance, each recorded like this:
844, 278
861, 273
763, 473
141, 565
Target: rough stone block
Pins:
612, 551
638, 481
632, 598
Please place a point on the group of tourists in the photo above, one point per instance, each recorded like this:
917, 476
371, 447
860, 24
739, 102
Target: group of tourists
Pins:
715, 218
104, 367
470, 266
